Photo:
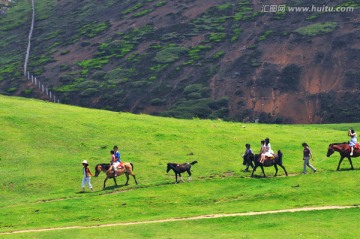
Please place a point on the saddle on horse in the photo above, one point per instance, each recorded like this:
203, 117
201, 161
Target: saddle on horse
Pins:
356, 147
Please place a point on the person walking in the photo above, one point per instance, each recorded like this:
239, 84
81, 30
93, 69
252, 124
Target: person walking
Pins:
87, 176
246, 156
306, 158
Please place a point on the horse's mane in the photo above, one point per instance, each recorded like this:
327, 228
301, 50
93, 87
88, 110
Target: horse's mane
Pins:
106, 166
338, 143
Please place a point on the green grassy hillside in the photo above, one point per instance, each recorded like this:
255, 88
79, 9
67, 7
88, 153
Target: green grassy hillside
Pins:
43, 144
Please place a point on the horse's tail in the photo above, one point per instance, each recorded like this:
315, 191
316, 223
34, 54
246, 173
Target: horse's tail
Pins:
96, 171
194, 162
280, 154
132, 166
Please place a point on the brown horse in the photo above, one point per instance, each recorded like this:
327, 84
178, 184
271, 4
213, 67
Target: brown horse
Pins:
180, 168
127, 170
344, 150
277, 160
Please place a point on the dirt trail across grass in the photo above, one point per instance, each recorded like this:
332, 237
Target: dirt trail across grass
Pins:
292, 210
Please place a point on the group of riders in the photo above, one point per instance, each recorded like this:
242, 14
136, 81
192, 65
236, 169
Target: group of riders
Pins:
266, 153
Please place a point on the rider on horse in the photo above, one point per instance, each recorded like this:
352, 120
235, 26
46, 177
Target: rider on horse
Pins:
266, 151
353, 140
115, 160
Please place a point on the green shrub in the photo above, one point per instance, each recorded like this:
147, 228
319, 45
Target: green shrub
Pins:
95, 63
118, 48
217, 37
236, 33
64, 67
244, 11
169, 54
143, 12
11, 90
317, 29
152, 78
218, 55
193, 88
194, 95
133, 8
225, 6
265, 35
64, 52
140, 84
99, 75
195, 52
27, 91
190, 109
89, 92
161, 3
93, 29
66, 79
169, 36
196, 91
158, 67
220, 103
157, 102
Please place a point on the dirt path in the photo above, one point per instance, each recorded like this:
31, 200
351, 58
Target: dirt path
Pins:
188, 218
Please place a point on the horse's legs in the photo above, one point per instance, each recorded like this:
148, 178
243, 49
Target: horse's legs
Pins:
276, 170
105, 182
352, 167
254, 169
134, 178
176, 181
189, 172
284, 169
115, 182
341, 159
262, 168
181, 178
127, 179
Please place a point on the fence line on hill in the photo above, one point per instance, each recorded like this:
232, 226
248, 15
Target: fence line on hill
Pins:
37, 83
30, 35
42, 88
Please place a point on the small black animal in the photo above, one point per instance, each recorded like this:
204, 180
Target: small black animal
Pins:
180, 168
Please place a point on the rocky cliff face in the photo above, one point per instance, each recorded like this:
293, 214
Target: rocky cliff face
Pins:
236, 60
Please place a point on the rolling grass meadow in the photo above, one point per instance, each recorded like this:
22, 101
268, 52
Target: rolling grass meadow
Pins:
42, 146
